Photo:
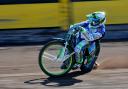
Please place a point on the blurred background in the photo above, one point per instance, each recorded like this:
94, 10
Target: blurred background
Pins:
29, 22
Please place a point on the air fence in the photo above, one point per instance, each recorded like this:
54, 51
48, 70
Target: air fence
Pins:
37, 22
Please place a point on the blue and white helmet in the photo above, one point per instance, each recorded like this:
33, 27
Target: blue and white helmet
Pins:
96, 18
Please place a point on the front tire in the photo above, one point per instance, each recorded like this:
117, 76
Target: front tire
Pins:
47, 59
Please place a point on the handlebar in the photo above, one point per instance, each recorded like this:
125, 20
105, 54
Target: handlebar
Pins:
72, 32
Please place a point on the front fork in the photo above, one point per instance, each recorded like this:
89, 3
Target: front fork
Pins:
61, 54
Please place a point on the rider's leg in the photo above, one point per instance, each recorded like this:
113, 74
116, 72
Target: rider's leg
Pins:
78, 55
78, 51
91, 49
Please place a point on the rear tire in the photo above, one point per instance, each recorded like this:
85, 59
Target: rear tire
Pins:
86, 68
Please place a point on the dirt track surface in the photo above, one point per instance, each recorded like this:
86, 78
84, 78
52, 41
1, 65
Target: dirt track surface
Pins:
19, 70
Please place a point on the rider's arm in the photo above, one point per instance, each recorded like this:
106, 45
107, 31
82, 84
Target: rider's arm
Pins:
97, 35
89, 36
76, 27
86, 34
82, 24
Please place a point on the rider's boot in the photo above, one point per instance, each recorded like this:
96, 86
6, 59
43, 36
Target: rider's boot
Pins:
96, 65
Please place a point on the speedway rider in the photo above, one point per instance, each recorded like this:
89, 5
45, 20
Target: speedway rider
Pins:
90, 30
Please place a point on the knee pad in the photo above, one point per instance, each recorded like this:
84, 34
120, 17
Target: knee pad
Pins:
80, 45
77, 49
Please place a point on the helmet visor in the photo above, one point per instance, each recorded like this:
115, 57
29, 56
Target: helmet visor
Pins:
95, 22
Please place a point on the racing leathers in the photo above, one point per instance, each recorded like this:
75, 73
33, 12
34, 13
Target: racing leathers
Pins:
86, 37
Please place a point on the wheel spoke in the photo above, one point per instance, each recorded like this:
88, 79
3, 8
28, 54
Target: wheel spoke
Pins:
50, 56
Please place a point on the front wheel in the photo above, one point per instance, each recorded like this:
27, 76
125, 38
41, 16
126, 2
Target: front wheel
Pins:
49, 62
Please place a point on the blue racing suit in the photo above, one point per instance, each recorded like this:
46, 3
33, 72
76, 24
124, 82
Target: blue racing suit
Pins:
86, 36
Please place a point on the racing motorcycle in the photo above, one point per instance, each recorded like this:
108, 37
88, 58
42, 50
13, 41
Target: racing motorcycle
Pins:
57, 57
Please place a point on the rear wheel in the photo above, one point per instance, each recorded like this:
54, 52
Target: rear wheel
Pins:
49, 62
87, 67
